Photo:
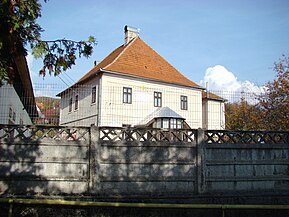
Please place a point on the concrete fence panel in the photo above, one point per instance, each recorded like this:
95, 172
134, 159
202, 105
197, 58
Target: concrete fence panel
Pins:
44, 160
252, 165
134, 162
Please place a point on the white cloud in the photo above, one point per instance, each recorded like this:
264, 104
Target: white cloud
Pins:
223, 82
248, 86
219, 78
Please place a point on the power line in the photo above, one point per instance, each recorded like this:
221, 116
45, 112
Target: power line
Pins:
64, 73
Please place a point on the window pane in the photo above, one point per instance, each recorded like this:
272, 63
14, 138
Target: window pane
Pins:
129, 98
10, 112
93, 95
70, 104
158, 123
76, 102
155, 102
173, 123
179, 124
165, 123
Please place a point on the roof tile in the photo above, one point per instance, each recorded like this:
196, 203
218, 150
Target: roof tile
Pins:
138, 59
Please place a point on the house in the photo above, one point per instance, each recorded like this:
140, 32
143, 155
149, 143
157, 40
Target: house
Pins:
135, 86
213, 111
17, 100
48, 109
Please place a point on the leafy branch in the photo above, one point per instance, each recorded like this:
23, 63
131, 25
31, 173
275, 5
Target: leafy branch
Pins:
59, 55
19, 27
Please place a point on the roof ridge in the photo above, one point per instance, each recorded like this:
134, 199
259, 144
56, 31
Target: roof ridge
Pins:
125, 48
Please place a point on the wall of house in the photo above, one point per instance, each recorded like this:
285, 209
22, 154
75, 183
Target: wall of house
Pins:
12, 109
213, 115
86, 113
116, 113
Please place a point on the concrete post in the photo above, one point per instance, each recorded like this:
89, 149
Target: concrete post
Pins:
200, 161
94, 181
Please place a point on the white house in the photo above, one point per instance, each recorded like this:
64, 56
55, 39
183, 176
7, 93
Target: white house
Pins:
135, 86
17, 100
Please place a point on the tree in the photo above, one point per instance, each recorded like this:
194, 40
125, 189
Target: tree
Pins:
19, 28
275, 102
243, 116
271, 112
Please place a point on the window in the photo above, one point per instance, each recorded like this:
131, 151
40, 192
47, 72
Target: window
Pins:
157, 99
93, 95
166, 122
173, 123
76, 103
127, 95
14, 116
10, 112
184, 102
179, 123
70, 105
21, 121
169, 123
158, 123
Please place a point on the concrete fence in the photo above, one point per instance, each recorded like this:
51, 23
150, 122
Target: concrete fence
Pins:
134, 162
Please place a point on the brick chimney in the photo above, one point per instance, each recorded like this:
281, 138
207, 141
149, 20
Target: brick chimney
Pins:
130, 33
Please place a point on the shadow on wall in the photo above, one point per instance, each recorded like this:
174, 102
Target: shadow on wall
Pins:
148, 163
42, 160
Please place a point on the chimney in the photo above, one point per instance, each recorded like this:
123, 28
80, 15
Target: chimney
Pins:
130, 33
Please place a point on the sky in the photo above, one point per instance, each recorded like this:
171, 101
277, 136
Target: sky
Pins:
229, 45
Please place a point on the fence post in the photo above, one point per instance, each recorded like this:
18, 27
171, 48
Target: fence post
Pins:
200, 161
94, 181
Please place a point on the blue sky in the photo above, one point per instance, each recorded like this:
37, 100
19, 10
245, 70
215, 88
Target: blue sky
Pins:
206, 40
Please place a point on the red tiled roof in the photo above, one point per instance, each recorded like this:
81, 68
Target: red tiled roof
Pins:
138, 59
210, 95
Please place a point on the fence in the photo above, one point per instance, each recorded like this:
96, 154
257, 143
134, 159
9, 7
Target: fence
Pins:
49, 105
207, 166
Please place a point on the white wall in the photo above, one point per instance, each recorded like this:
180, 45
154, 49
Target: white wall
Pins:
116, 113
213, 115
10, 99
86, 114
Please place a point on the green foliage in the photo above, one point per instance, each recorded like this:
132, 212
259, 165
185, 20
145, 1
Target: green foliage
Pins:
19, 27
60, 55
